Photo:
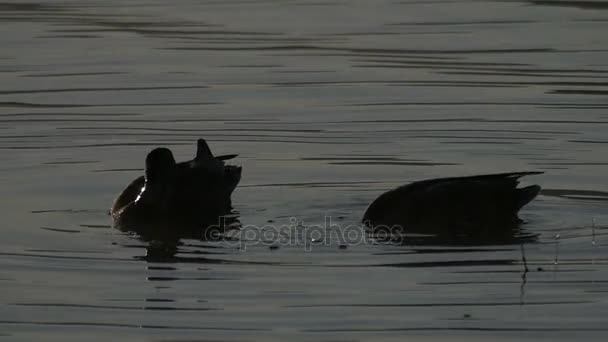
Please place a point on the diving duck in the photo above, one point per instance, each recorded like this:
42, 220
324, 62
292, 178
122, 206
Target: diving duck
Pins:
478, 206
194, 192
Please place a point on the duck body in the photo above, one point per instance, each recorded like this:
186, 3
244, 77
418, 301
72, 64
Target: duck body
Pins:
476, 205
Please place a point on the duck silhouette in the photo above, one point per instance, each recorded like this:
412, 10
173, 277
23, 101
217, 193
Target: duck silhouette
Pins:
484, 207
182, 195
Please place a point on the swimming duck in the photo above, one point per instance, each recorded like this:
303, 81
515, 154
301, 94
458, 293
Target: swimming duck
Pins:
202, 162
478, 206
194, 192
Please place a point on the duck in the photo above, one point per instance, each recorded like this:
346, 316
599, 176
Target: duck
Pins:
194, 192
482, 206
201, 162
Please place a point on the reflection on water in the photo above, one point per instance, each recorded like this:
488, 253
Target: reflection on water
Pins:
329, 104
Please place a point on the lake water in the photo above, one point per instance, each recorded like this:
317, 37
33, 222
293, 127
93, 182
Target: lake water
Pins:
328, 104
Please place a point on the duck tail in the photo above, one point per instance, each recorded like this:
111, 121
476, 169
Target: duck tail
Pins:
526, 194
203, 152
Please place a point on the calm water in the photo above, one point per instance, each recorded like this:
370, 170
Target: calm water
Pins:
328, 103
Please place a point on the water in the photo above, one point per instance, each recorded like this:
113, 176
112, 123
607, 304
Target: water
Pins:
328, 103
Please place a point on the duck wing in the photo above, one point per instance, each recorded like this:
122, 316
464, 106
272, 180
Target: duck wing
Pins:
226, 157
500, 189
497, 179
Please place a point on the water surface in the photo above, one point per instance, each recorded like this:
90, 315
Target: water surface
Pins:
328, 104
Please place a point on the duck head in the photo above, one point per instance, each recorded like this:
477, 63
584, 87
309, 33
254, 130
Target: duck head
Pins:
160, 165
160, 175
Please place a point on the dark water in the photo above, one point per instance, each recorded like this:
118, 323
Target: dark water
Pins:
328, 103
